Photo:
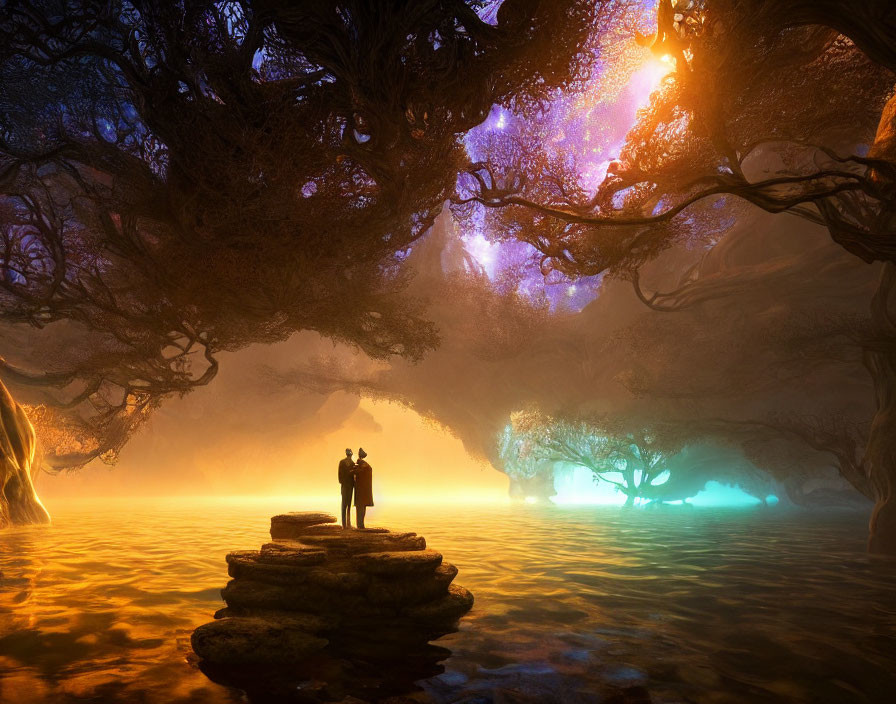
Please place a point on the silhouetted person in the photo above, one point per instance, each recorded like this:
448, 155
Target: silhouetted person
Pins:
363, 486
347, 483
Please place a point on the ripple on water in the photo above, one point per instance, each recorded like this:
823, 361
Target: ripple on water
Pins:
695, 605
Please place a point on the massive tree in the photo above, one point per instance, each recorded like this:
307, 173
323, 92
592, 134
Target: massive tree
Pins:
739, 121
180, 179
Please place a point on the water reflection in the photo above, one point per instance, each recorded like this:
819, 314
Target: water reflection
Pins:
571, 605
332, 676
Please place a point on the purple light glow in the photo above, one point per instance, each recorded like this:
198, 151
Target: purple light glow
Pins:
586, 130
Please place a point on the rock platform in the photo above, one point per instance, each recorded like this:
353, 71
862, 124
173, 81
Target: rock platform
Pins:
320, 591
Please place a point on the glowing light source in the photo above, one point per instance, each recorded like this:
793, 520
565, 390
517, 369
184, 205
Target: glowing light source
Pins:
485, 252
576, 485
648, 78
661, 478
716, 494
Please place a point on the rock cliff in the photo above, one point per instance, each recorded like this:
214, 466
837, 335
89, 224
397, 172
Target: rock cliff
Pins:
19, 504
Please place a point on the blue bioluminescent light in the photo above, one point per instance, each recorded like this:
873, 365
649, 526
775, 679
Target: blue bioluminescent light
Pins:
660, 479
576, 485
716, 494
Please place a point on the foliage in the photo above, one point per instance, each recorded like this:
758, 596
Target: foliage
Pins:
185, 178
608, 446
758, 136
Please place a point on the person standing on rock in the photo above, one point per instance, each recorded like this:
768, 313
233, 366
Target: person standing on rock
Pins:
363, 486
347, 483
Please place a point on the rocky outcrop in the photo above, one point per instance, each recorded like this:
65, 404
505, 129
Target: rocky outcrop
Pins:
19, 504
321, 594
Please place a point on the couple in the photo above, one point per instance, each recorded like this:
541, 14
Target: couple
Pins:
357, 478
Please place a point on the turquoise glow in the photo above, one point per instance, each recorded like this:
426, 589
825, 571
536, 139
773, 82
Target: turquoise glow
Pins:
661, 478
716, 494
576, 485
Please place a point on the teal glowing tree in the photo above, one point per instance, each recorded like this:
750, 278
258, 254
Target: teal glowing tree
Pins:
630, 456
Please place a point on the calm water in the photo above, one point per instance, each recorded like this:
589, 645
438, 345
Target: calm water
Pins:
572, 604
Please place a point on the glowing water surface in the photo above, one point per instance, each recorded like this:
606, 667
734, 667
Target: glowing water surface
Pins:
572, 603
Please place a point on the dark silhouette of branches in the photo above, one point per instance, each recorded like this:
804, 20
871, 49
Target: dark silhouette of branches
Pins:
738, 121
181, 179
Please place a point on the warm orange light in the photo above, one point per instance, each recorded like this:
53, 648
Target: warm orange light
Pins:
649, 77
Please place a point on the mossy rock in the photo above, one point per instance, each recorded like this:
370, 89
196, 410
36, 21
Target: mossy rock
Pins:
249, 640
413, 588
338, 580
398, 563
445, 610
248, 565
357, 542
310, 623
291, 525
304, 518
290, 552
253, 595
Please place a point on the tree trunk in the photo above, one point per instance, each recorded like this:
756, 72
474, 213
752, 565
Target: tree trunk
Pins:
628, 480
880, 455
19, 504
880, 458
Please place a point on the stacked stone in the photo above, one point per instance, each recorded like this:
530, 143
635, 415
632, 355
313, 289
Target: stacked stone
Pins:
317, 587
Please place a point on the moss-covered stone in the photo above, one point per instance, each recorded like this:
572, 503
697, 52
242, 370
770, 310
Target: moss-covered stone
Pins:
242, 640
357, 542
291, 525
413, 588
445, 610
400, 563
325, 594
289, 552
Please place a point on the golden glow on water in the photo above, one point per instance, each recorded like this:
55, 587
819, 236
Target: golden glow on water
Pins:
101, 605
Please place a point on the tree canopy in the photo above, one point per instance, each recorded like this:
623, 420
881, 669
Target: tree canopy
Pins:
179, 179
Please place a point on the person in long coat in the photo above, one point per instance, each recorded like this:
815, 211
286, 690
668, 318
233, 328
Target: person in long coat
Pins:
363, 487
347, 485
